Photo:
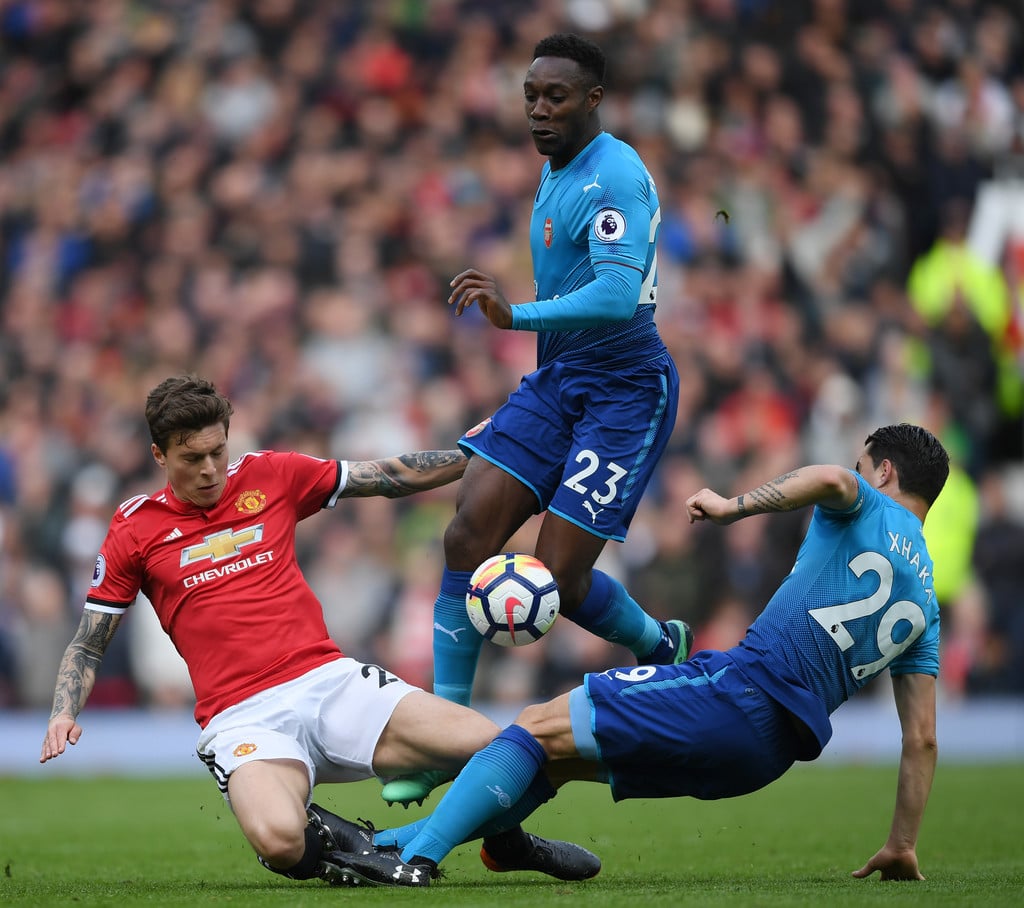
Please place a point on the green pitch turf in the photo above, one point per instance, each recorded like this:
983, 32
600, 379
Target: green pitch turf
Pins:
129, 842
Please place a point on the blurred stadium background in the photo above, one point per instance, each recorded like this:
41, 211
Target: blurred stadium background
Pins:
276, 193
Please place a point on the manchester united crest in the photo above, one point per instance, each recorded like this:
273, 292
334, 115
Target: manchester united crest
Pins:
243, 750
251, 502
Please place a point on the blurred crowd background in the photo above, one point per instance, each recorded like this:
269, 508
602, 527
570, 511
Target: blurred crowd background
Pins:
275, 194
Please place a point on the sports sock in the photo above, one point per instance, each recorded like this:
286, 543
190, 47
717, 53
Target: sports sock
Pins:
609, 612
489, 785
538, 792
456, 643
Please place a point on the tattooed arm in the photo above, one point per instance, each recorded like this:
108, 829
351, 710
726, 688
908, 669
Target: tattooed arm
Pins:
831, 486
395, 477
75, 679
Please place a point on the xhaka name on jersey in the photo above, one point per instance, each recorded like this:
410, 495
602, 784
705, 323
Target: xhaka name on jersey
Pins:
905, 547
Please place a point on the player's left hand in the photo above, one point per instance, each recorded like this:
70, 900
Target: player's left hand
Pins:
709, 505
472, 286
893, 864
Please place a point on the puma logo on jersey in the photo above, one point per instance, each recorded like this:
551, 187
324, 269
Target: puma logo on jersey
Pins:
593, 513
594, 185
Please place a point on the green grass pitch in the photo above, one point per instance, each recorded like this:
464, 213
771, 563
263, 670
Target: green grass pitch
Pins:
129, 842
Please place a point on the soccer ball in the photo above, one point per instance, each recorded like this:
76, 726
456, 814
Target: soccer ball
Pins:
512, 599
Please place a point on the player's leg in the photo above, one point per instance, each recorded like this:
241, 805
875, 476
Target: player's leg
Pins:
511, 764
518, 455
491, 505
268, 798
428, 731
623, 425
425, 728
550, 725
600, 603
263, 769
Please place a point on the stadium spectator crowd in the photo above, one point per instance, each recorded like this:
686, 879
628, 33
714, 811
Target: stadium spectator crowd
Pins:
274, 194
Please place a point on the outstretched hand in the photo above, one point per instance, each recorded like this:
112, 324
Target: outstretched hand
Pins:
61, 731
893, 864
474, 286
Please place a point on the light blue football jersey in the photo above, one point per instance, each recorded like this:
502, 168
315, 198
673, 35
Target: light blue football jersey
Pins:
859, 599
601, 207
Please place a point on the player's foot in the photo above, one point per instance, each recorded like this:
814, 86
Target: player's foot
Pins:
339, 834
374, 868
520, 850
675, 645
414, 787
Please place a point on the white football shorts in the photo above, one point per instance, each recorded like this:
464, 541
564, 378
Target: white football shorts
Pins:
329, 718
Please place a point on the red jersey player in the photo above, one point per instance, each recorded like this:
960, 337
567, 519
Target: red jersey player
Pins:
279, 706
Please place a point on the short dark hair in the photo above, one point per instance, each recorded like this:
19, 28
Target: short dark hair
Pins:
922, 463
587, 55
183, 405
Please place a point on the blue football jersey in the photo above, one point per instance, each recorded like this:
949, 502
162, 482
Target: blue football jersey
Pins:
601, 207
859, 599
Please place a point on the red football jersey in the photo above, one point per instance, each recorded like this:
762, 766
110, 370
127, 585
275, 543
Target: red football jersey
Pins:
224, 581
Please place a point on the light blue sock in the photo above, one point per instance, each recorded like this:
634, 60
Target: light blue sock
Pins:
539, 791
611, 613
400, 836
489, 785
456, 642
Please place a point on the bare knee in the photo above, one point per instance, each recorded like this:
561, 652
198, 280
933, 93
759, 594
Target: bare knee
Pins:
279, 840
550, 724
532, 719
464, 546
268, 798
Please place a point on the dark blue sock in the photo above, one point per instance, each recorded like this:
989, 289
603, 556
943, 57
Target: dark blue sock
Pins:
487, 788
611, 613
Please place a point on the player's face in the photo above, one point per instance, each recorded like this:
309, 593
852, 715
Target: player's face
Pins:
559, 108
197, 466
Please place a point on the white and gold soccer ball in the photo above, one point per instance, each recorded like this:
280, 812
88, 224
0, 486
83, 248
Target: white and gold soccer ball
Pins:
512, 599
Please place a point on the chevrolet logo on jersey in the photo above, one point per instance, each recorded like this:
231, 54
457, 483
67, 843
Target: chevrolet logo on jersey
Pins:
225, 544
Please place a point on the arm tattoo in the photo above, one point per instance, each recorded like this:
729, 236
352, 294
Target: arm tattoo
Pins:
770, 497
741, 507
395, 477
77, 673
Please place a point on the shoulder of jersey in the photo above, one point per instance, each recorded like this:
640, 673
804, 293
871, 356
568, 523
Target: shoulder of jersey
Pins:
245, 460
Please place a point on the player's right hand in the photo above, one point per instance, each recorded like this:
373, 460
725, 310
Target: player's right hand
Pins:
472, 286
61, 731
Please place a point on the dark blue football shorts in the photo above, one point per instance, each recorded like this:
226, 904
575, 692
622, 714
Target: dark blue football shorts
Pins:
700, 729
585, 440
